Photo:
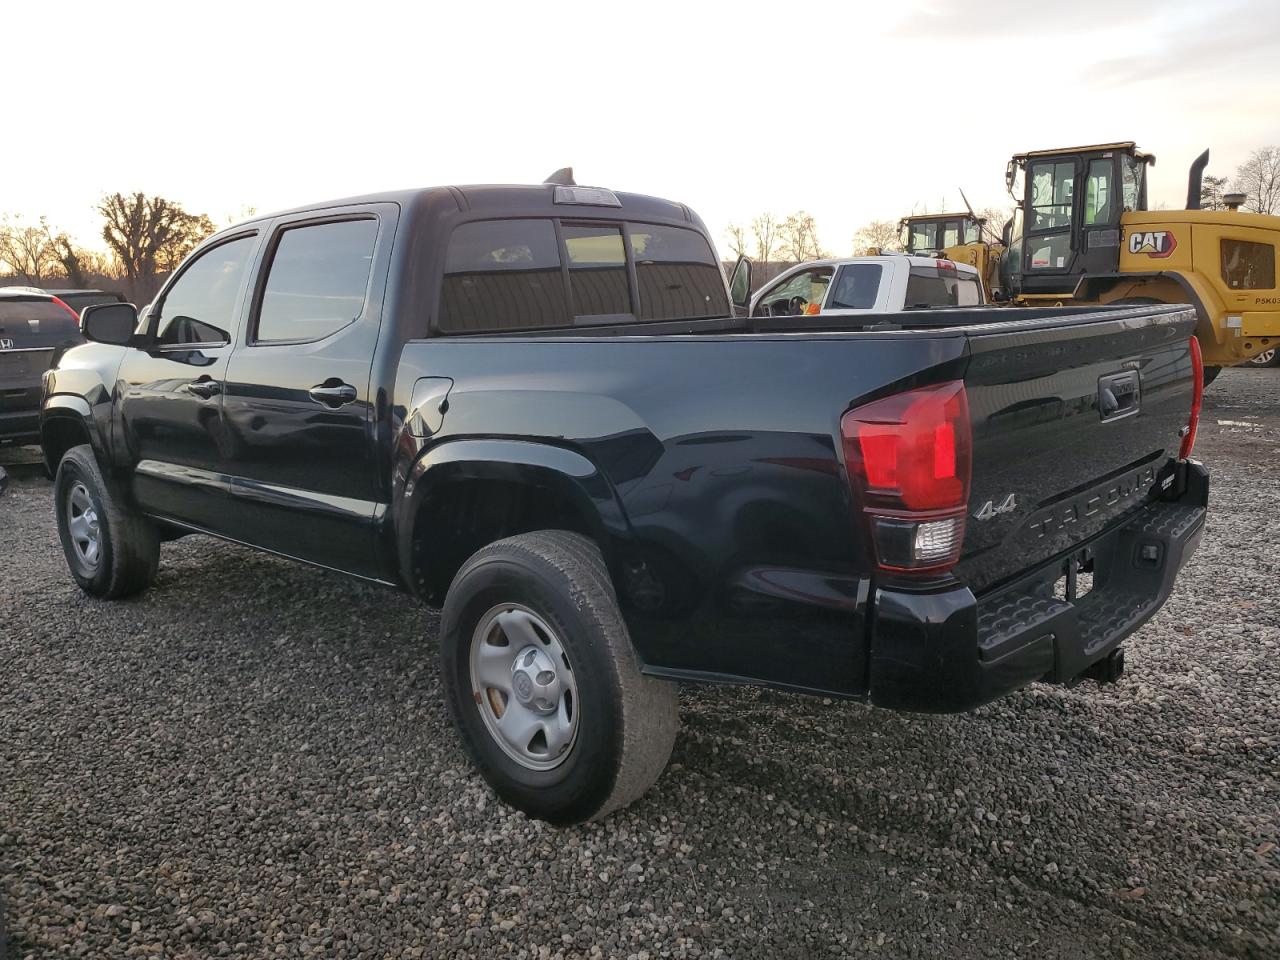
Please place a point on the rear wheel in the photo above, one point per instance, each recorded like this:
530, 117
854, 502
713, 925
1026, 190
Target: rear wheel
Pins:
112, 550
1267, 358
544, 685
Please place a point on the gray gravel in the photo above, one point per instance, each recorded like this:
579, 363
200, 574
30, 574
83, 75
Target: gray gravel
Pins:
254, 759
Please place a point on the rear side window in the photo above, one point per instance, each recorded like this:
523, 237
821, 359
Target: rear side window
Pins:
503, 275
34, 318
317, 281
856, 287
932, 287
677, 272
1248, 266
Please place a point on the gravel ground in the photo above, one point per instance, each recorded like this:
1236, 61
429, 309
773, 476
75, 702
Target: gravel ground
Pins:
254, 759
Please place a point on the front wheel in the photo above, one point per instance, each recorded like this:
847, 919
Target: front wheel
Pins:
543, 684
111, 549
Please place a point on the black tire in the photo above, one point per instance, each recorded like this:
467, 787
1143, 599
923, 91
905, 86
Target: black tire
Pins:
1267, 358
626, 723
128, 546
1211, 374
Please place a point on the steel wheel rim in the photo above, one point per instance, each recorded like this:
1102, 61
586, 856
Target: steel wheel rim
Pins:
524, 687
1265, 357
83, 527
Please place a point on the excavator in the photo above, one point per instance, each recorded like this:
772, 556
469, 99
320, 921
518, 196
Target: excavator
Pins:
1082, 233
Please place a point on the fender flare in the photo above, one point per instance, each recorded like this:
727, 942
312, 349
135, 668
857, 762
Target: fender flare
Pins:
529, 462
1091, 286
64, 407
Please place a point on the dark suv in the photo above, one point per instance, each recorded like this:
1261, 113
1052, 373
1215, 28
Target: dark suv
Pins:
36, 328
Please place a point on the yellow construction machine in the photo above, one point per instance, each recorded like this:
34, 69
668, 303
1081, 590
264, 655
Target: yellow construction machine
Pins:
1082, 233
962, 237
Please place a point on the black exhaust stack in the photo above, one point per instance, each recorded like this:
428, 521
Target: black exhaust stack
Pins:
1193, 182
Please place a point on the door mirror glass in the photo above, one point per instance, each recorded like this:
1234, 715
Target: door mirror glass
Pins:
109, 323
740, 283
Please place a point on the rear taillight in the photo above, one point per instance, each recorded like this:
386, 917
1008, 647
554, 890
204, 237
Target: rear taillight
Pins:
63, 304
908, 458
1197, 395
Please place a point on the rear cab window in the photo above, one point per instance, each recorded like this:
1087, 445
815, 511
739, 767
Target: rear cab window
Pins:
35, 322
540, 273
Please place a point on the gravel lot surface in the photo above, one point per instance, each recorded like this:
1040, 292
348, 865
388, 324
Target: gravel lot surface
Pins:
254, 759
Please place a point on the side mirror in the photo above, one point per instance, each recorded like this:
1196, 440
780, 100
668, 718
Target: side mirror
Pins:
740, 284
109, 323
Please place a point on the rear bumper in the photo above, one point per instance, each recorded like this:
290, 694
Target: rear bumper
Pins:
947, 651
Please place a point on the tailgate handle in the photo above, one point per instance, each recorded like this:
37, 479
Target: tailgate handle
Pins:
1119, 395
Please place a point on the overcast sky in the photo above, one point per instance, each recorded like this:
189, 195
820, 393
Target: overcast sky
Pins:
852, 111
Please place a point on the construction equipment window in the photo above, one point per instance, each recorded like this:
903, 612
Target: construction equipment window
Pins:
972, 231
1132, 171
1098, 194
924, 236
1248, 266
951, 233
1052, 188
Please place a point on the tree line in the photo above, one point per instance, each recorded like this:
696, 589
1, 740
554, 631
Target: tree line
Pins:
145, 238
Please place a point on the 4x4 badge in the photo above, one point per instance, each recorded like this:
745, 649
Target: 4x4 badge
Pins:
989, 509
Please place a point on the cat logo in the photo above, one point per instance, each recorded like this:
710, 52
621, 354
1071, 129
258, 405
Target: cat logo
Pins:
1154, 243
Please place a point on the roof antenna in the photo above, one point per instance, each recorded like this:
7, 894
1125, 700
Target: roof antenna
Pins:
563, 177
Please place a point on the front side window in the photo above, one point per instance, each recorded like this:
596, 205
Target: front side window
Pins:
597, 271
856, 287
951, 233
677, 272
503, 275
317, 281
800, 294
200, 306
924, 236
1248, 266
1098, 193
1052, 185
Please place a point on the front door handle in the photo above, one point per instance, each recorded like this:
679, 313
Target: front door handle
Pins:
204, 388
333, 393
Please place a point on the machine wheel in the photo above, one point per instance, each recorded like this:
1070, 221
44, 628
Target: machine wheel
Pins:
112, 550
544, 685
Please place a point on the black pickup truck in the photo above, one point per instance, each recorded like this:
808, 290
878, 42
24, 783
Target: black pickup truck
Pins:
537, 407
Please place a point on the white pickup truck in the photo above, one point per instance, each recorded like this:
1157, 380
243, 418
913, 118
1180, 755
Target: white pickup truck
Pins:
881, 284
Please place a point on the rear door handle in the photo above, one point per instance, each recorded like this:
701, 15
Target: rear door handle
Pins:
333, 393
204, 388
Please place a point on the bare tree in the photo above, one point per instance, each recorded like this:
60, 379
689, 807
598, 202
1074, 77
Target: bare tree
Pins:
736, 234
764, 230
149, 235
1258, 178
27, 250
1212, 190
996, 218
878, 234
799, 238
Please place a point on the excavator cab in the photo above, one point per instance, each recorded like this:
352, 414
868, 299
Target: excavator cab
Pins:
928, 235
1067, 221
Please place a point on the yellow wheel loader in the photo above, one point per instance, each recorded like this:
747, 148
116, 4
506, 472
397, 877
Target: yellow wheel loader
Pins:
962, 237
1082, 233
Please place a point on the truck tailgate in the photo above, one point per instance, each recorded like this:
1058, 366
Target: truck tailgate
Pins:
1075, 424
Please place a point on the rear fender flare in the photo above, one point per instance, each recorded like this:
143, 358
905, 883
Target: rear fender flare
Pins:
532, 463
